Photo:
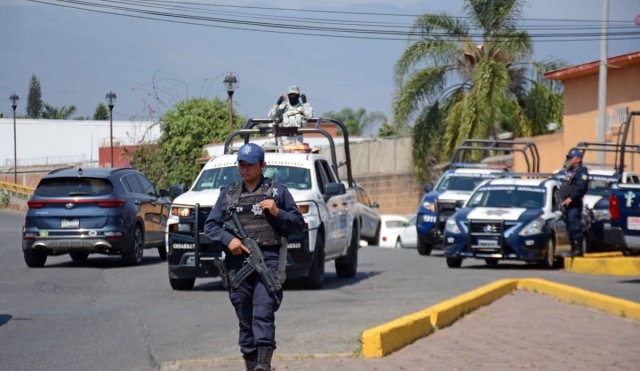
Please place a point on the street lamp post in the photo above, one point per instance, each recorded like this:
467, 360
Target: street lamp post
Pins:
111, 101
230, 84
14, 104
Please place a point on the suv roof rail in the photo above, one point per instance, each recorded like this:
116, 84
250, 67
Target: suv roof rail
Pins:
60, 169
528, 149
115, 170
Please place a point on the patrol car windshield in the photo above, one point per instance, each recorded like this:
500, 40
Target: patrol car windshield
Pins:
599, 185
509, 196
292, 177
461, 182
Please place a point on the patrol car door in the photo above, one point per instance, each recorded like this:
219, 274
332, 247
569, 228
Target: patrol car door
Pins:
344, 206
330, 222
559, 223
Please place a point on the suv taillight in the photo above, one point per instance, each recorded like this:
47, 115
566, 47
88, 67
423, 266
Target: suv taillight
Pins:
110, 203
614, 209
36, 204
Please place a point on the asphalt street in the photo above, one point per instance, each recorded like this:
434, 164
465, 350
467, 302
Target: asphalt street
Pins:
101, 315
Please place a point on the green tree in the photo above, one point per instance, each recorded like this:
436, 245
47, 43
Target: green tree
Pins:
186, 128
34, 99
356, 121
58, 113
387, 130
101, 113
454, 89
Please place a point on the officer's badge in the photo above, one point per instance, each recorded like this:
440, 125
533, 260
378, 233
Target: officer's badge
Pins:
257, 210
585, 177
274, 192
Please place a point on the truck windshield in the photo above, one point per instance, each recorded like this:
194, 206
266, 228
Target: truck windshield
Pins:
509, 196
292, 177
458, 182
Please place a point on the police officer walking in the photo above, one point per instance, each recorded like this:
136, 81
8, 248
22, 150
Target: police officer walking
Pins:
572, 190
269, 214
295, 112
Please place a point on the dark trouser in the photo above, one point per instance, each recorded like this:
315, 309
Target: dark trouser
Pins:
255, 308
574, 221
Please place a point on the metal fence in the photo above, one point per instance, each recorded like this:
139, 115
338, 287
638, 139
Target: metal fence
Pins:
46, 161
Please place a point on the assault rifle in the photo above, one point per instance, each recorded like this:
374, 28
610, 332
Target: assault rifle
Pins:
254, 262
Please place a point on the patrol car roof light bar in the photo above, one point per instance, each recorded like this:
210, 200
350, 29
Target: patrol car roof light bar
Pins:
527, 145
531, 175
249, 130
623, 141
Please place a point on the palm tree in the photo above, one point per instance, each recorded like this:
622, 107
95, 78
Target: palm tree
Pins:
454, 89
54, 113
356, 121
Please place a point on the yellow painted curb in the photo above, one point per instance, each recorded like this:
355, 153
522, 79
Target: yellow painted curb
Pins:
384, 339
574, 295
612, 266
609, 254
389, 337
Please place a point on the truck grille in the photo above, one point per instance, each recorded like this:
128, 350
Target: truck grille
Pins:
446, 209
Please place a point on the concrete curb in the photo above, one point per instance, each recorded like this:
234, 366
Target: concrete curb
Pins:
604, 265
389, 337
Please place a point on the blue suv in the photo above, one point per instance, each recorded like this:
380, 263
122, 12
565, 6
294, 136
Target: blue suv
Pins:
94, 211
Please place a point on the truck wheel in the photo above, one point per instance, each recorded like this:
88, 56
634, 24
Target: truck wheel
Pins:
182, 284
376, 239
134, 257
162, 252
550, 257
35, 259
78, 256
454, 262
315, 279
347, 266
423, 248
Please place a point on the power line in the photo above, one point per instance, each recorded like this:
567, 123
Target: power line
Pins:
109, 5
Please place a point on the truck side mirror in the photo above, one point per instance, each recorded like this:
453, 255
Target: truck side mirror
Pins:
177, 189
459, 204
335, 189
427, 188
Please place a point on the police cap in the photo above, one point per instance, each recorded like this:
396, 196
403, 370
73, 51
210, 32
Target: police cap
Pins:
574, 153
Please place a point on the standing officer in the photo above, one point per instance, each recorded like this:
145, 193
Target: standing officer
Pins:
268, 212
295, 112
572, 190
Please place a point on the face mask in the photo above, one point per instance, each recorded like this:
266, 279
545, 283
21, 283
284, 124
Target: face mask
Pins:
293, 99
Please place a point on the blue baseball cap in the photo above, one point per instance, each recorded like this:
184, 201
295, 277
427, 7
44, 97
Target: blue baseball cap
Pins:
250, 153
574, 153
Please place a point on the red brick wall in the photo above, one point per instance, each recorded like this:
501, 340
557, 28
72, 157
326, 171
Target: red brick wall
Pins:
396, 193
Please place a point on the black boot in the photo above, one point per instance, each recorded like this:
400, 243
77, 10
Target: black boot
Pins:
264, 358
576, 249
250, 360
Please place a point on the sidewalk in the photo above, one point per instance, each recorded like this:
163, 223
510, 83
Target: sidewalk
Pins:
523, 331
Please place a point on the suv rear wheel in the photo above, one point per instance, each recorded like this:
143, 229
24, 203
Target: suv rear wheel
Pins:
35, 259
134, 257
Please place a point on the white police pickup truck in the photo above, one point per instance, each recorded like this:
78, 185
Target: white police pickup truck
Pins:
332, 231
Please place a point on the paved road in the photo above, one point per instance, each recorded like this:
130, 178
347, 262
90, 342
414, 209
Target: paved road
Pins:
102, 315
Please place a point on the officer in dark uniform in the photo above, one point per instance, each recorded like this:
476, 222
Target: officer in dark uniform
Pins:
572, 190
269, 214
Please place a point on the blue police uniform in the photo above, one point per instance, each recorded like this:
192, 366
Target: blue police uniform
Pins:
575, 187
255, 308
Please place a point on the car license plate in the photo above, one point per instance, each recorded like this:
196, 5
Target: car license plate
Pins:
488, 243
70, 223
633, 223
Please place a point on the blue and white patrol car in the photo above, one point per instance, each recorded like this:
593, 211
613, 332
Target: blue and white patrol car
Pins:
438, 204
510, 218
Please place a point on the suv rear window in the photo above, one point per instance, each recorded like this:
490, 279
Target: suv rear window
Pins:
74, 187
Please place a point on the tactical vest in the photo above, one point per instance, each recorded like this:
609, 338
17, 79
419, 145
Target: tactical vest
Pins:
566, 187
259, 224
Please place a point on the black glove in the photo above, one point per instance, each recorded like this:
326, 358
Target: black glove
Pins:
303, 98
280, 100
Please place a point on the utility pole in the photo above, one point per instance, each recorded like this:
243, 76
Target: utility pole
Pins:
602, 84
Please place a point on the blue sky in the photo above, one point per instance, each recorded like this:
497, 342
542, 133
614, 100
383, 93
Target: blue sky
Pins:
80, 56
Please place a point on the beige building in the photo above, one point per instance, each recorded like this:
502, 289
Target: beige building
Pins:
581, 109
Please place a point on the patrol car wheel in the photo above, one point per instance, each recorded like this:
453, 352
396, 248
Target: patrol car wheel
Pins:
162, 251
424, 248
315, 279
550, 257
182, 284
454, 262
347, 266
